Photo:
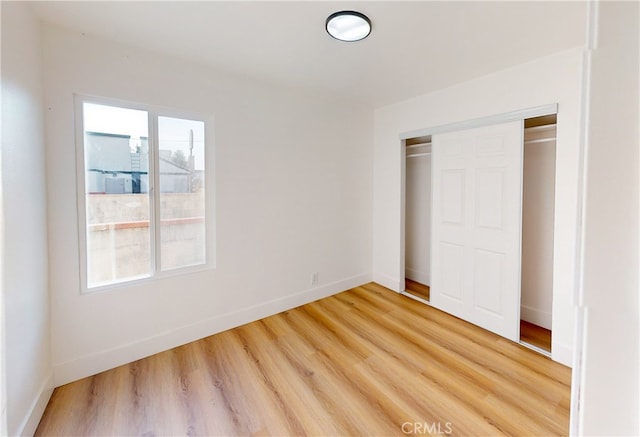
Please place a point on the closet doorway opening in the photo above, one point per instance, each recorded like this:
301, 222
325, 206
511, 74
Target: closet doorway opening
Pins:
537, 245
538, 200
418, 218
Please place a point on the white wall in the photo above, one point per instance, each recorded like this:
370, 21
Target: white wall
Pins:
418, 219
611, 362
293, 196
3, 342
24, 284
552, 79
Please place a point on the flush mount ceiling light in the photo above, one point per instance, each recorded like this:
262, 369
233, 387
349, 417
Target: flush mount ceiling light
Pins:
348, 26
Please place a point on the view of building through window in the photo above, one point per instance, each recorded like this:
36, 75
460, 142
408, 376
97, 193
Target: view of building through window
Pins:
120, 170
182, 228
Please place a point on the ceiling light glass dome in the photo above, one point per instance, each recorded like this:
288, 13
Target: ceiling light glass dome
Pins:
348, 26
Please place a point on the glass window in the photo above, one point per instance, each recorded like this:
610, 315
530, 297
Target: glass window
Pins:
181, 164
132, 230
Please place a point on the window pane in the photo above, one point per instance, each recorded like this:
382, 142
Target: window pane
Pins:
182, 204
116, 155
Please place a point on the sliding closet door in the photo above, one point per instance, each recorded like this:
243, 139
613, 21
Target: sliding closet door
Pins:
477, 216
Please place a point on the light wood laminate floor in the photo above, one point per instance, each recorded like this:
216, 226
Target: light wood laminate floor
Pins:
417, 289
367, 361
535, 335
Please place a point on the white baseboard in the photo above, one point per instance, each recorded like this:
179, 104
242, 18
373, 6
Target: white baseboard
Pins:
418, 276
387, 281
32, 419
95, 363
561, 353
535, 316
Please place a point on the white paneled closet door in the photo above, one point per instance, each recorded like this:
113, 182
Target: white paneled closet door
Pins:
477, 221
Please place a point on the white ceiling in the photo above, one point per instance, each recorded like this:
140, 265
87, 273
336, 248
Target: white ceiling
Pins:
415, 47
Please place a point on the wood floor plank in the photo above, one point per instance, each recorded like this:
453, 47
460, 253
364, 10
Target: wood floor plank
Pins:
535, 335
289, 381
367, 361
417, 289
509, 373
425, 398
477, 379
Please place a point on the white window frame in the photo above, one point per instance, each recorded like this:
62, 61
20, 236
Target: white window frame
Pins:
153, 112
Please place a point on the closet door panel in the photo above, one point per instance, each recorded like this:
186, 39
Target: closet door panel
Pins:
489, 201
452, 265
453, 183
477, 204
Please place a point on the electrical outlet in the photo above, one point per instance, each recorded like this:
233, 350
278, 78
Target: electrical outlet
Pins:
314, 278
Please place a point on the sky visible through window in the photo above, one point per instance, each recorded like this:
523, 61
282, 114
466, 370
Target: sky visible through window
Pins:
173, 132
